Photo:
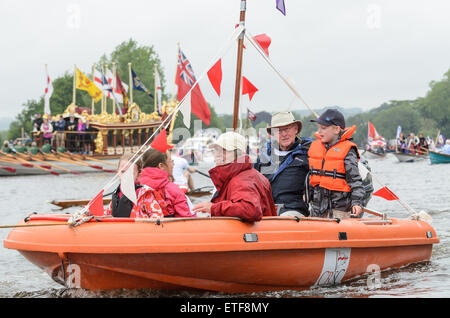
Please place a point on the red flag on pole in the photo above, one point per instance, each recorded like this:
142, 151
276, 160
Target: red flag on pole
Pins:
96, 205
248, 88
215, 76
160, 142
385, 193
185, 79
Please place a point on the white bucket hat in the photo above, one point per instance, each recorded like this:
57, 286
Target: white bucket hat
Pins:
284, 118
230, 141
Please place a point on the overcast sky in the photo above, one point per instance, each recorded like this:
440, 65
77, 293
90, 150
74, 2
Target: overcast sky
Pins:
352, 53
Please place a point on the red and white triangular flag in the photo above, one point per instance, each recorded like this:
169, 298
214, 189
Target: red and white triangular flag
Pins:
264, 42
385, 193
95, 206
215, 76
127, 184
160, 142
185, 110
48, 93
248, 88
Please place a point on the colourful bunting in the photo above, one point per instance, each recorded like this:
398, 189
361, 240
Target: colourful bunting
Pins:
248, 88
281, 7
215, 76
264, 42
160, 142
96, 205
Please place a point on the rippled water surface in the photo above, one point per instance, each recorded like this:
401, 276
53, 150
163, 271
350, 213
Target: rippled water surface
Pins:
423, 186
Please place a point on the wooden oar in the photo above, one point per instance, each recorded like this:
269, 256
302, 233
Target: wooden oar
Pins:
203, 174
64, 158
8, 169
424, 149
30, 163
55, 166
69, 157
101, 161
10, 160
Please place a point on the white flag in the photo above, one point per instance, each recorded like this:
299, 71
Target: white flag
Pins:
48, 93
185, 109
127, 184
399, 130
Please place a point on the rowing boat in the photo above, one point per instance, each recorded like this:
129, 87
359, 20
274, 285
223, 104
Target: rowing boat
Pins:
221, 254
370, 154
437, 157
407, 157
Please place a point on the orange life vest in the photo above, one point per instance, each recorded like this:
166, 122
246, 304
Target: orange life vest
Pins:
327, 168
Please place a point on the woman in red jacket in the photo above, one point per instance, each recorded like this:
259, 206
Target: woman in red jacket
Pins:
157, 167
242, 191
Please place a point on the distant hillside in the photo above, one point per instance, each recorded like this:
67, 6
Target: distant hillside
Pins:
348, 112
265, 117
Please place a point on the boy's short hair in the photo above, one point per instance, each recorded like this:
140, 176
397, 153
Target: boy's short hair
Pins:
331, 117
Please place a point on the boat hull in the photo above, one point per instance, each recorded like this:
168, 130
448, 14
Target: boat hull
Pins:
405, 157
224, 254
373, 155
437, 158
21, 170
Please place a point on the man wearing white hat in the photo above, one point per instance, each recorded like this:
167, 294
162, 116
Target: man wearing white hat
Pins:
242, 191
284, 162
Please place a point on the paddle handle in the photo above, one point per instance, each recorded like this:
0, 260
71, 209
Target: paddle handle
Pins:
203, 174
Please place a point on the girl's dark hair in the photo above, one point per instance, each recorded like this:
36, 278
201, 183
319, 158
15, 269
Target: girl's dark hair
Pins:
152, 158
127, 157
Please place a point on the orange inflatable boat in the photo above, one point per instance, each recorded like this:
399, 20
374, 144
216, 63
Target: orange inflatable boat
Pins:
218, 254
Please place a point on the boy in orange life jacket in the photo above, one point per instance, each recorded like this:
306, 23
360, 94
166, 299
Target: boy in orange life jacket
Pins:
337, 188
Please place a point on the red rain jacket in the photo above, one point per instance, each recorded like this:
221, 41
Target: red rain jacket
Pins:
242, 192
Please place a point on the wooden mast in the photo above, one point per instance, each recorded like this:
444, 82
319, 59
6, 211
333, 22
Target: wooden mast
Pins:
237, 92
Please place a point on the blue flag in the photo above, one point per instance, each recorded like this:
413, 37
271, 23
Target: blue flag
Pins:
137, 84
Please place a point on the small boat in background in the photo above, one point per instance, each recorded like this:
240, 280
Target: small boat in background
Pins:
370, 154
437, 157
407, 157
376, 144
65, 204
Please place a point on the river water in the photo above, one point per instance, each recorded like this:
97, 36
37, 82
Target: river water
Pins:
423, 186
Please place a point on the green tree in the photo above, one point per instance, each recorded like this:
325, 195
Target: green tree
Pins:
143, 60
436, 104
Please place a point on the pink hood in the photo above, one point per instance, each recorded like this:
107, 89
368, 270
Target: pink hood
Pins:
175, 198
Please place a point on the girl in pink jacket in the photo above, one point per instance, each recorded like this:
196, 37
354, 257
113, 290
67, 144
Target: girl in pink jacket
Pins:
156, 170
